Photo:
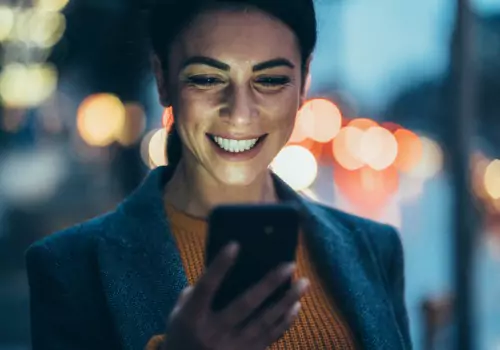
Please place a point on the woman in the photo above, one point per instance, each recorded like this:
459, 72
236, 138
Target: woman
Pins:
234, 74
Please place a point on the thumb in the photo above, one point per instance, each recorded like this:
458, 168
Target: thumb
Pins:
181, 301
186, 292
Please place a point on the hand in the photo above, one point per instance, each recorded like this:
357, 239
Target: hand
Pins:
194, 326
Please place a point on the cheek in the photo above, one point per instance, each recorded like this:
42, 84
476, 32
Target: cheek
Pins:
282, 115
195, 110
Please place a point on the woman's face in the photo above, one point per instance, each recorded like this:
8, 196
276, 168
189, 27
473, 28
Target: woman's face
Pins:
234, 82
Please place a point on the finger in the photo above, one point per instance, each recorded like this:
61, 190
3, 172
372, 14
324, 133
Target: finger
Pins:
209, 282
267, 321
184, 296
277, 331
245, 304
273, 314
272, 333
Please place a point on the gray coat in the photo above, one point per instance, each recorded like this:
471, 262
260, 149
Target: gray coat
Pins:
109, 283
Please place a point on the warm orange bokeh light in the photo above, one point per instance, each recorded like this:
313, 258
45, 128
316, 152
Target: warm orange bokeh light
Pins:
378, 148
409, 150
392, 127
367, 188
133, 126
431, 162
100, 118
346, 148
319, 119
479, 164
362, 123
492, 179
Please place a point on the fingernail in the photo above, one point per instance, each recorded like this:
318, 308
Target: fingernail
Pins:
289, 269
303, 284
296, 308
233, 249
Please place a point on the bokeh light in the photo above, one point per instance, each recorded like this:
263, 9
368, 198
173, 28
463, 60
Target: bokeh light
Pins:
496, 205
157, 148
368, 144
307, 143
410, 188
362, 123
45, 29
492, 179
40, 28
479, 163
366, 188
296, 166
409, 150
346, 148
431, 162
145, 146
378, 148
320, 120
392, 127
6, 21
27, 85
133, 126
100, 119
50, 5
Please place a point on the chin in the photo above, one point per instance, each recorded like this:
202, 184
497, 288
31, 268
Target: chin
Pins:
233, 175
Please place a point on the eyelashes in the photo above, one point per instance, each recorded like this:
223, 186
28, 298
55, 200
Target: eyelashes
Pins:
273, 81
205, 81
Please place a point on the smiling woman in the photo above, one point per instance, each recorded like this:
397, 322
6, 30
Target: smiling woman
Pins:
234, 74
226, 85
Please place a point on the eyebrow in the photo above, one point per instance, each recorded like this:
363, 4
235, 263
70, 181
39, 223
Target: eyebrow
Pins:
277, 62
207, 61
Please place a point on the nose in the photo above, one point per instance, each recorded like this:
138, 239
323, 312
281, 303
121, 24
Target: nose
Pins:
241, 106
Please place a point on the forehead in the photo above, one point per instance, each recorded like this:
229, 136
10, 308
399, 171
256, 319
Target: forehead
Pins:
237, 36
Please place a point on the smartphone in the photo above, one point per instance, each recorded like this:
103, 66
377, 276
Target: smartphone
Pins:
267, 236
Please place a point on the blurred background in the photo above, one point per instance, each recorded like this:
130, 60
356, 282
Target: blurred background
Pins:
80, 126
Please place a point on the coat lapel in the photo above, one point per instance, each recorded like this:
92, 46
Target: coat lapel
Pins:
140, 265
142, 273
345, 269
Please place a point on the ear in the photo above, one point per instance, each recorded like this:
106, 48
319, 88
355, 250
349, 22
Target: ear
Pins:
160, 80
307, 81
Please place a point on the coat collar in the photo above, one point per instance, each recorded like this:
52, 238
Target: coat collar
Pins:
142, 271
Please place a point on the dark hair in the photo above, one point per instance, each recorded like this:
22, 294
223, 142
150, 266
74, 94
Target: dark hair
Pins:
167, 18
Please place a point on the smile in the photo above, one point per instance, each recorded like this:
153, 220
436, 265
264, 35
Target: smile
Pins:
235, 146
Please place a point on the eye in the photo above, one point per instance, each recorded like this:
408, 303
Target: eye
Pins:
273, 81
204, 81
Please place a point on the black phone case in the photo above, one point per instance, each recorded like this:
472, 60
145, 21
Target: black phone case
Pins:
268, 236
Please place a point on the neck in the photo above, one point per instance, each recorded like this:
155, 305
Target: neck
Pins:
193, 191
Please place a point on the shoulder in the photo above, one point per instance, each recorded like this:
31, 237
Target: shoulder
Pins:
354, 223
65, 287
71, 250
380, 240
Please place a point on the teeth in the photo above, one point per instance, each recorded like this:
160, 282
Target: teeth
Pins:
235, 146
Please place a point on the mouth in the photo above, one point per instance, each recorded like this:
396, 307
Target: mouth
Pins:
236, 146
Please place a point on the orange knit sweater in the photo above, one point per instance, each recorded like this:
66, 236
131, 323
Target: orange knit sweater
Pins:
319, 325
